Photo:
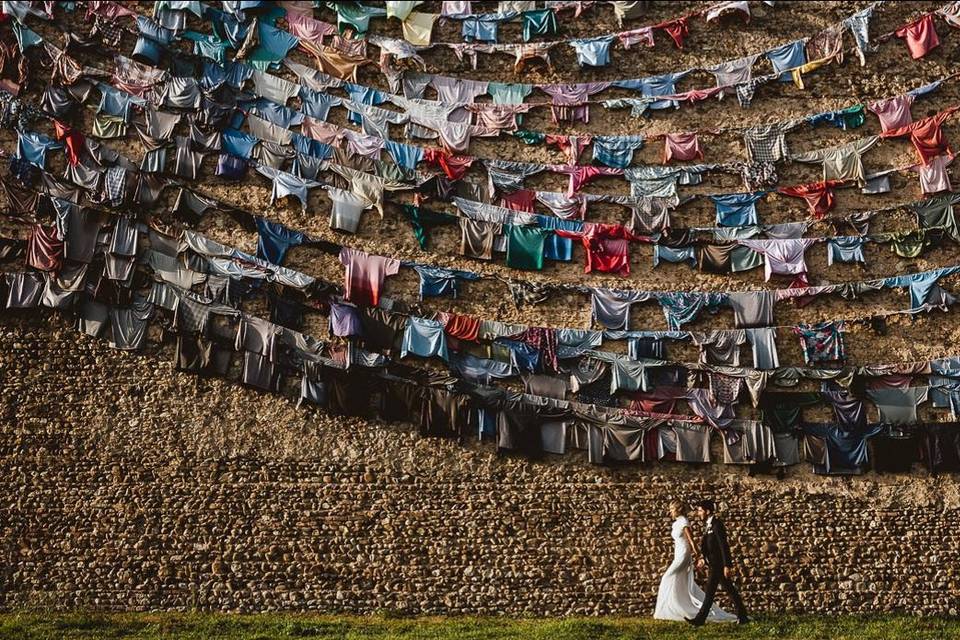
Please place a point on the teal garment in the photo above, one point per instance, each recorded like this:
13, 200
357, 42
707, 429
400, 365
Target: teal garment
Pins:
525, 247
423, 220
849, 118
355, 15
208, 46
744, 258
274, 46
530, 137
26, 37
538, 23
507, 93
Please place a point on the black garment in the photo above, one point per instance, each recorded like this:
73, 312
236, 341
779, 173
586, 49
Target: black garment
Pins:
445, 414
895, 450
716, 551
942, 447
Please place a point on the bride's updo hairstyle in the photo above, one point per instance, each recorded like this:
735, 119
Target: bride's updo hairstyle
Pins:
677, 508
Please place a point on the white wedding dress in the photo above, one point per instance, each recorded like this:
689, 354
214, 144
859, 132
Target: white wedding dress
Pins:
679, 596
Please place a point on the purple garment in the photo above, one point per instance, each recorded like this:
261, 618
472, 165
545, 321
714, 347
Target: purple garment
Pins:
704, 405
568, 100
851, 412
344, 320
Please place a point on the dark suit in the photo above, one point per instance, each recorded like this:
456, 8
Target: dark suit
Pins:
716, 551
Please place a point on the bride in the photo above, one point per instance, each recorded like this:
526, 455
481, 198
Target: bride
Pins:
679, 596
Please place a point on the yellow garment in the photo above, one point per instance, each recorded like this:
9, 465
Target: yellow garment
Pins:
418, 27
807, 68
400, 9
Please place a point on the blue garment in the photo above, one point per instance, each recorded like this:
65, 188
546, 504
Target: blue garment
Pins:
680, 307
316, 104
239, 143
593, 52
237, 73
616, 151
212, 76
227, 27
404, 155
424, 338
921, 284
114, 102
152, 43
555, 247
33, 147
671, 254
25, 36
846, 449
363, 95
275, 240
436, 281
925, 89
522, 355
231, 167
278, 114
274, 46
310, 147
788, 56
654, 86
480, 27
479, 370
845, 249
737, 209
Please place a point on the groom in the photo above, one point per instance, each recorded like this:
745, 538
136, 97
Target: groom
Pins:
716, 551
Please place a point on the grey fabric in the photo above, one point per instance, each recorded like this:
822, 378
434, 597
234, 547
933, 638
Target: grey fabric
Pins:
764, 346
752, 308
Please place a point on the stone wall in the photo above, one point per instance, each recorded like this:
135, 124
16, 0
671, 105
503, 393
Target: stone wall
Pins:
125, 484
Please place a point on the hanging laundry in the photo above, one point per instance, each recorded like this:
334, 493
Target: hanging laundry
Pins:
893, 113
642, 36
920, 36
656, 86
677, 29
926, 135
418, 28
481, 27
611, 308
847, 249
934, 177
784, 257
898, 406
731, 73
818, 196
787, 57
364, 275
737, 209
844, 162
538, 23
568, 100
424, 338
752, 308
822, 343
592, 52
571, 146
767, 143
763, 343
616, 151
555, 247
680, 307
859, 27
682, 147
435, 281
477, 238
525, 247
848, 118
607, 247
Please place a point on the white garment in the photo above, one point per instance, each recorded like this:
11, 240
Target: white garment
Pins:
679, 596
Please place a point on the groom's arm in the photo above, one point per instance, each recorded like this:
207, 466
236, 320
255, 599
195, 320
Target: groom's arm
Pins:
720, 531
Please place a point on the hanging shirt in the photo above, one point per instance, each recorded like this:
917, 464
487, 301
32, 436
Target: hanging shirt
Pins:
763, 342
920, 36
926, 135
752, 308
538, 23
822, 343
845, 249
898, 406
592, 52
611, 308
364, 275
784, 257
893, 112
424, 338
525, 247
818, 196
682, 147
846, 450
934, 176
786, 57
275, 239
435, 281
844, 162
607, 247
737, 209
477, 238
766, 143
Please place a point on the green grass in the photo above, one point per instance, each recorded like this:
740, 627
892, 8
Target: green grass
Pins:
153, 626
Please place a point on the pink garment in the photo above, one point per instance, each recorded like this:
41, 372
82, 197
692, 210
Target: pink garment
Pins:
934, 176
364, 275
642, 36
502, 117
695, 95
306, 28
681, 146
571, 146
783, 257
297, 7
362, 145
455, 8
582, 174
319, 130
920, 35
893, 112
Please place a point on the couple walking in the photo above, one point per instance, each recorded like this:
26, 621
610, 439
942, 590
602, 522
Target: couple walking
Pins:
680, 598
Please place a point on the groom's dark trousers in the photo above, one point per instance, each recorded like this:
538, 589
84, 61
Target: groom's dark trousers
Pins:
716, 551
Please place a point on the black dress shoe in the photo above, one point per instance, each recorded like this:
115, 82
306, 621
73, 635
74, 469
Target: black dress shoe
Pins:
743, 620
694, 622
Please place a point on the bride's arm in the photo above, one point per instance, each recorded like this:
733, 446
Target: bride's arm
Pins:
693, 549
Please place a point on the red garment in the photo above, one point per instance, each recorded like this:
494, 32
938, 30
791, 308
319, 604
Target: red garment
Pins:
920, 35
819, 195
926, 135
607, 246
454, 167
695, 95
660, 400
681, 146
519, 200
582, 174
571, 146
462, 327
72, 139
677, 29
45, 249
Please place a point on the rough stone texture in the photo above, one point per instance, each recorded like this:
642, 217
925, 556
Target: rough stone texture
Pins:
127, 485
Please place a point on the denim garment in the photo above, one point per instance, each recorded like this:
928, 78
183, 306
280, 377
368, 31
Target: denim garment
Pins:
239, 143
737, 209
405, 155
654, 86
616, 151
437, 282
555, 247
788, 56
592, 52
275, 239
424, 338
